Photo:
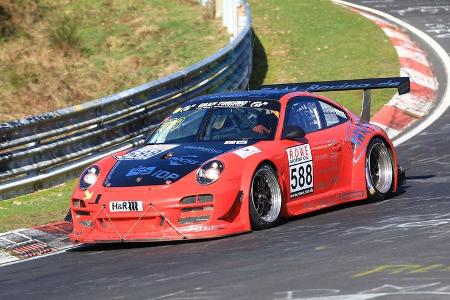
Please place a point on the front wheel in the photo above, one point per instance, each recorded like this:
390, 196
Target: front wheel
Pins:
379, 170
265, 198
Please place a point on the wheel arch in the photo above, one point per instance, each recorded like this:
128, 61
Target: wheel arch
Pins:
246, 179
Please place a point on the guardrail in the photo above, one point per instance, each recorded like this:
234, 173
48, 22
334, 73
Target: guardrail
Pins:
45, 150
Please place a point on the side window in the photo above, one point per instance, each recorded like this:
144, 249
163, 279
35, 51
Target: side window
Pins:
304, 112
332, 114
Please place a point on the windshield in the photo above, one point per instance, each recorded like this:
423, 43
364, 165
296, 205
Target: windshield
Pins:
217, 124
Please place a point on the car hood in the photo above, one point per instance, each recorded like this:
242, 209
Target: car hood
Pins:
165, 163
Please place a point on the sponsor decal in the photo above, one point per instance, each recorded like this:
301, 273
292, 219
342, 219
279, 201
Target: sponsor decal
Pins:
146, 152
204, 149
199, 228
358, 136
314, 87
235, 142
184, 108
183, 160
300, 170
340, 85
357, 139
222, 104
153, 172
88, 195
232, 103
120, 206
211, 104
350, 195
207, 105
258, 104
273, 105
299, 154
246, 151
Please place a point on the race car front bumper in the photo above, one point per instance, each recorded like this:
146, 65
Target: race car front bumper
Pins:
204, 212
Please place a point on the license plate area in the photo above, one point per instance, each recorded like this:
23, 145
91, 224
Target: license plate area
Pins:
125, 206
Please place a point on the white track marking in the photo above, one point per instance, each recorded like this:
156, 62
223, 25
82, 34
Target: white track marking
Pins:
414, 55
414, 105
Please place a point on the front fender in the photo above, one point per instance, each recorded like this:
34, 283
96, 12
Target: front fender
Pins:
246, 168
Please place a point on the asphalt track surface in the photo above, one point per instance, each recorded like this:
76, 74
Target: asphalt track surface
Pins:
396, 249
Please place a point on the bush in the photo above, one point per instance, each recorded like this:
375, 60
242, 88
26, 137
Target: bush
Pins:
6, 26
19, 16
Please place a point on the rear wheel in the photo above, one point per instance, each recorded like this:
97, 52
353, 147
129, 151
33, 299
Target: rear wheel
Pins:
265, 198
379, 170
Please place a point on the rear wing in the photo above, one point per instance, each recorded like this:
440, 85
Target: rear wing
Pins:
399, 83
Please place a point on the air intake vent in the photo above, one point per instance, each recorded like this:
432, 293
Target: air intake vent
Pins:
193, 219
188, 200
195, 214
207, 198
78, 203
82, 213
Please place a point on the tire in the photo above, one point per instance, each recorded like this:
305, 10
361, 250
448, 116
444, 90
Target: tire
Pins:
379, 170
265, 198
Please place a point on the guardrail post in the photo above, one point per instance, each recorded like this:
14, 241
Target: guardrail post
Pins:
218, 8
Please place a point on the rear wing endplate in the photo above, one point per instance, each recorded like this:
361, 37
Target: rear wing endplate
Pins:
399, 83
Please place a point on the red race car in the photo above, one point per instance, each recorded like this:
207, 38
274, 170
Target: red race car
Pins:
228, 163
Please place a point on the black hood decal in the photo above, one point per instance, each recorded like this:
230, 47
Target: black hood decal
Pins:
165, 163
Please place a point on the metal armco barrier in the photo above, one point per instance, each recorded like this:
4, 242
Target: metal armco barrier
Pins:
45, 150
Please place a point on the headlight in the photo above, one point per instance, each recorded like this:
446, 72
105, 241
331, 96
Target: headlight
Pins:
209, 172
89, 177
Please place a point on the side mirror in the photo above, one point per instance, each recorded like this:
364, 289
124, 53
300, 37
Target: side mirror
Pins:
291, 132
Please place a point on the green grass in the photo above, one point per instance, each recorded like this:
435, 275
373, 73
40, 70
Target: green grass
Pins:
313, 40
39, 208
296, 41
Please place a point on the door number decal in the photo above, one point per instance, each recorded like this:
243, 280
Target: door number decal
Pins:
301, 180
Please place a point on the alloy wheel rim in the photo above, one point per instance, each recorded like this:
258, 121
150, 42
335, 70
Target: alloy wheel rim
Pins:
379, 167
266, 195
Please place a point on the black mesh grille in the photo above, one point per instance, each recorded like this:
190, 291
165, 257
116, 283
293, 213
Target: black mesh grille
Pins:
205, 198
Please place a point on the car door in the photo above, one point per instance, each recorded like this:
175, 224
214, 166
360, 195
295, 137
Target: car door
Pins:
313, 163
329, 143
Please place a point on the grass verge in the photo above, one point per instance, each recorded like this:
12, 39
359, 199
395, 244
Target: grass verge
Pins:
304, 40
55, 54
314, 40
38, 208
